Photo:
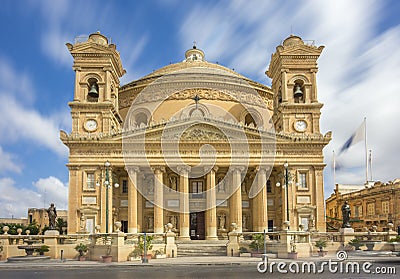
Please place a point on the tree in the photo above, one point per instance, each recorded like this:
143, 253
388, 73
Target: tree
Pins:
33, 228
60, 223
257, 243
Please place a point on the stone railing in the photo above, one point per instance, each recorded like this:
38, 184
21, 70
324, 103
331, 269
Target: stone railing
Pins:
117, 244
285, 242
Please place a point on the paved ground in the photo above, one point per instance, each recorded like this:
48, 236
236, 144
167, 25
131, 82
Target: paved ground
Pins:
195, 267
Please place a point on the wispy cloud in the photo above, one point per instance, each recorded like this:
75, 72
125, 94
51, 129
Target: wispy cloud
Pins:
20, 120
357, 74
15, 200
7, 162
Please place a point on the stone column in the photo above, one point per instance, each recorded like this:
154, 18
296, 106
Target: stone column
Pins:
260, 214
73, 200
235, 201
104, 188
284, 86
132, 201
314, 97
319, 200
184, 222
140, 225
158, 200
211, 212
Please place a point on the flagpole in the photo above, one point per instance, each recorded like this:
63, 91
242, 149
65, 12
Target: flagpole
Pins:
334, 169
366, 152
370, 165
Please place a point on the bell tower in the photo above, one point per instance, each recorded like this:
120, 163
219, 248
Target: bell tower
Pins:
98, 67
293, 71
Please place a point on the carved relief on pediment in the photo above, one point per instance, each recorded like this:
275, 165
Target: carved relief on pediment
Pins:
201, 134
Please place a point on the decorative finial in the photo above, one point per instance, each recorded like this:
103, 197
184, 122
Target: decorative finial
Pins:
196, 99
194, 45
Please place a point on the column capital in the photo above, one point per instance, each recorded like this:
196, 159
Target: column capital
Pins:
72, 167
263, 169
158, 169
183, 169
237, 169
209, 169
132, 169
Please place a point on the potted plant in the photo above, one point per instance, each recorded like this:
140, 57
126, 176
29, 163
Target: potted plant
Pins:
257, 244
356, 243
159, 254
149, 245
135, 255
321, 244
243, 252
107, 258
42, 249
81, 248
395, 241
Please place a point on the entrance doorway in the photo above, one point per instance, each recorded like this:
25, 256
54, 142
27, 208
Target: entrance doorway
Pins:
197, 226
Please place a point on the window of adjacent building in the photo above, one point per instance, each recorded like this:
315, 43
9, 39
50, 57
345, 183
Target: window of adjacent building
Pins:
90, 183
358, 211
371, 209
302, 180
124, 186
385, 207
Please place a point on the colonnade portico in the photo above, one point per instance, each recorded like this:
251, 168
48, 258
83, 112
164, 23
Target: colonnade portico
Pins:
233, 205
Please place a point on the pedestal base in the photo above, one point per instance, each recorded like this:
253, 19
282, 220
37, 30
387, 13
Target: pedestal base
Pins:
346, 230
52, 233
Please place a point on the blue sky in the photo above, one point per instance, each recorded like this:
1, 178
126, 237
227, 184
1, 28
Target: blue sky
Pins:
358, 76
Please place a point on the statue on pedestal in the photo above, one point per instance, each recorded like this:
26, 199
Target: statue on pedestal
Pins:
346, 212
52, 212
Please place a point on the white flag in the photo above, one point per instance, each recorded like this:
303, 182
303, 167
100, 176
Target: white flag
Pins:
355, 138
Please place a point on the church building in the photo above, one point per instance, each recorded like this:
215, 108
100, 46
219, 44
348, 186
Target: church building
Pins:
195, 144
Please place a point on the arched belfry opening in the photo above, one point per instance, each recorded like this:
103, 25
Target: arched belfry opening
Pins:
93, 90
298, 91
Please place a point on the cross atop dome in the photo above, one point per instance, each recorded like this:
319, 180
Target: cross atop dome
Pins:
194, 54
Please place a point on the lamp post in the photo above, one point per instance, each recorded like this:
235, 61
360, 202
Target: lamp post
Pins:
286, 190
107, 184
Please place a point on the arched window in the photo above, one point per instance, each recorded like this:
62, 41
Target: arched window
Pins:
140, 118
249, 119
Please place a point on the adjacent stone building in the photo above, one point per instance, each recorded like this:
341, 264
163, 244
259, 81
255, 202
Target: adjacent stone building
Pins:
40, 216
195, 144
376, 204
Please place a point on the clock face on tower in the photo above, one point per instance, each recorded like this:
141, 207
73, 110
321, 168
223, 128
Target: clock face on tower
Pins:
300, 125
91, 125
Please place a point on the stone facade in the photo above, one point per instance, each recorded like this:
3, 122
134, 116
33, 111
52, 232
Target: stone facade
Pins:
376, 204
40, 216
176, 110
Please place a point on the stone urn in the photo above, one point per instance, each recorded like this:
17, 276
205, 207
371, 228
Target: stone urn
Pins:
118, 226
6, 229
19, 231
285, 225
28, 232
169, 227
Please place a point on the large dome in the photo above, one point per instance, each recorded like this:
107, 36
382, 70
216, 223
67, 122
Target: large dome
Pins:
194, 68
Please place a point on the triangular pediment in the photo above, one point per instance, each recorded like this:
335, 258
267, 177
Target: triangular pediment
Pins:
200, 129
90, 48
302, 50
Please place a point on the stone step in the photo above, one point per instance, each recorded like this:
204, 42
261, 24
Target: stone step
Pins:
197, 249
